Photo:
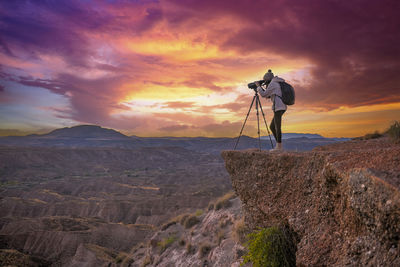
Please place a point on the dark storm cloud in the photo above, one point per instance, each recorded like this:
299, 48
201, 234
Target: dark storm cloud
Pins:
38, 29
59, 27
354, 46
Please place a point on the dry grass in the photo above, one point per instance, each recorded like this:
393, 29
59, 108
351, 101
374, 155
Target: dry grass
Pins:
102, 252
191, 221
166, 242
369, 136
165, 226
204, 249
224, 201
239, 231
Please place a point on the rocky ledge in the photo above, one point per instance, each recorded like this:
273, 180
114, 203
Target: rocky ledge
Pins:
341, 202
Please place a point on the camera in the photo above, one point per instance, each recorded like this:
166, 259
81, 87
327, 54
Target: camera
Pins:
253, 85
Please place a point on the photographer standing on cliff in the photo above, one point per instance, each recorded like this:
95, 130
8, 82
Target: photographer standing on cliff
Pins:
274, 92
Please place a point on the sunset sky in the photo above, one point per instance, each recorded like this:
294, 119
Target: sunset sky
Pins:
181, 67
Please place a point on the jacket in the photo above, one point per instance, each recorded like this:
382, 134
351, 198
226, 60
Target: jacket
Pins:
274, 92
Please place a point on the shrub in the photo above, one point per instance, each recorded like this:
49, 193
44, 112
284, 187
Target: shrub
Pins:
269, 247
183, 218
199, 212
182, 242
191, 221
120, 257
374, 135
166, 242
223, 202
167, 225
204, 249
394, 132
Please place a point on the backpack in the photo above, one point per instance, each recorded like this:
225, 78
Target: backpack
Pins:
288, 95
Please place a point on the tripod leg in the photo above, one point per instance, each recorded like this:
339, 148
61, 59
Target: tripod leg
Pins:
258, 123
237, 141
266, 125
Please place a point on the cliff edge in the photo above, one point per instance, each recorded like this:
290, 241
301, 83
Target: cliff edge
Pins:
341, 202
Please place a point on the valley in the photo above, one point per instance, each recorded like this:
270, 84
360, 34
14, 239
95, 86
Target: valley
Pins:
54, 200
89, 195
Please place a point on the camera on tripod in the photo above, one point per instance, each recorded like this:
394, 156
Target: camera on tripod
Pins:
253, 85
258, 106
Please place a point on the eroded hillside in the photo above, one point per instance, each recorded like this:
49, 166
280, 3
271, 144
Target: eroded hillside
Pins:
74, 206
341, 202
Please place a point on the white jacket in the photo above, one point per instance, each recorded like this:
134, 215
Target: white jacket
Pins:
274, 92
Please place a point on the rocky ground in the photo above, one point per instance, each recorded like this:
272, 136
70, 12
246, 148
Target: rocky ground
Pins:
213, 238
90, 206
341, 202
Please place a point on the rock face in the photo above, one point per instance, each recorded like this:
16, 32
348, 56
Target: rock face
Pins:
342, 202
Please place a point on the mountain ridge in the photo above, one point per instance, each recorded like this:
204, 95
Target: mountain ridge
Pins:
97, 136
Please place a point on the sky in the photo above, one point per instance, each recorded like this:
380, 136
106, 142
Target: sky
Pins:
181, 67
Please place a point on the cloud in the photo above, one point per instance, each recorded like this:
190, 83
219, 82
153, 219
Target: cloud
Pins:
178, 104
175, 52
354, 52
174, 128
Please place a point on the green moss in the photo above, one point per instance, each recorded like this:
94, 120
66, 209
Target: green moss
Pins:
269, 247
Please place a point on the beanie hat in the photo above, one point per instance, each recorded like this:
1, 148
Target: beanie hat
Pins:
268, 76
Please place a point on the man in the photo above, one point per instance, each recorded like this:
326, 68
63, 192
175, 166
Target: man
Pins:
273, 91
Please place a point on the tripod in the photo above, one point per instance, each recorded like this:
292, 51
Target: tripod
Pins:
256, 98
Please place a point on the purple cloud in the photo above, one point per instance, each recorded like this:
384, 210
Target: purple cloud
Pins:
354, 46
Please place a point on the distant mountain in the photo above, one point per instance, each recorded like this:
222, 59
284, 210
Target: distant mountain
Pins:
96, 136
295, 135
86, 131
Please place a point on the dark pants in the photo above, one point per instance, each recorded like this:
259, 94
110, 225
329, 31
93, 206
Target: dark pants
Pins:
275, 125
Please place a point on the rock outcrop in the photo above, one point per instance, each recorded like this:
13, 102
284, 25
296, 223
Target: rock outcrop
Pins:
214, 239
341, 202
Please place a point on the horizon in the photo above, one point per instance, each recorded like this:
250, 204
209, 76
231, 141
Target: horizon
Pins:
181, 68
128, 135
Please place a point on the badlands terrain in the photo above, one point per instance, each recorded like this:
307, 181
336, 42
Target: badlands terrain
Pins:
87, 195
